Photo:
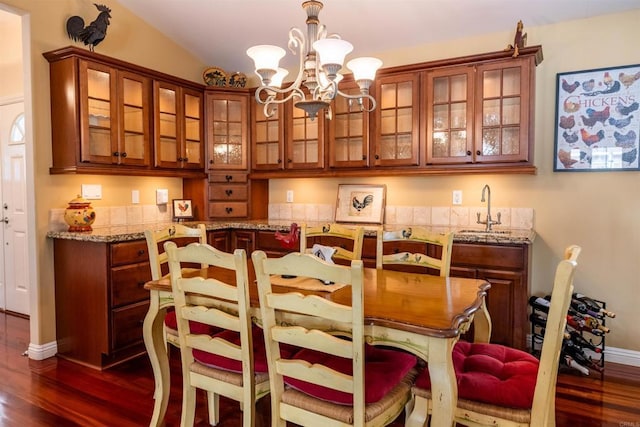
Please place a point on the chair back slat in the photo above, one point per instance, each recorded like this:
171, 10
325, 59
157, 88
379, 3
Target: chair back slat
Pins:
353, 234
417, 259
316, 374
176, 232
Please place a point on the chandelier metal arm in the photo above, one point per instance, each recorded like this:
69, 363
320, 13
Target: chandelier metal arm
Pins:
359, 98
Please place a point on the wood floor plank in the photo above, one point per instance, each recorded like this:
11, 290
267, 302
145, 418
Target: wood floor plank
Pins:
59, 393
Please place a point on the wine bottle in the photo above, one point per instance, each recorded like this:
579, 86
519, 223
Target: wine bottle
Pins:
581, 307
568, 360
538, 320
568, 347
593, 323
581, 341
579, 325
593, 305
539, 304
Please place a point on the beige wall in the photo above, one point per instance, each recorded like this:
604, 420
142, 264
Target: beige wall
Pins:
597, 210
594, 210
10, 56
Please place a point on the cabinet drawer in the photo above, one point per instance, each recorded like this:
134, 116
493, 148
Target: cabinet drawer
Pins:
227, 192
228, 209
488, 256
229, 177
129, 252
126, 323
127, 283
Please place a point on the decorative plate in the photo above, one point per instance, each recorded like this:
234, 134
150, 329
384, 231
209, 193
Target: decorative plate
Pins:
215, 76
237, 80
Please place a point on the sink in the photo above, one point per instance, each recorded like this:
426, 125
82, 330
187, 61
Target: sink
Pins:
483, 232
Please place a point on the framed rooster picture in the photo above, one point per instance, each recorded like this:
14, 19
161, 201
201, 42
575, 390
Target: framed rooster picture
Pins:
361, 203
598, 120
182, 209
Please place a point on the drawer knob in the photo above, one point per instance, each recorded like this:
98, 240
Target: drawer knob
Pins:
141, 252
228, 192
228, 177
229, 210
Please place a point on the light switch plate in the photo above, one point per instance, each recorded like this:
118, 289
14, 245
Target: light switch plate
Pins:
457, 197
162, 196
135, 196
92, 191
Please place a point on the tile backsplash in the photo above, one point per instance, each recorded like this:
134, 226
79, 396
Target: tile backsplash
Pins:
450, 216
107, 216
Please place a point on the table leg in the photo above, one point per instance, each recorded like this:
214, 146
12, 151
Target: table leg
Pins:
154, 342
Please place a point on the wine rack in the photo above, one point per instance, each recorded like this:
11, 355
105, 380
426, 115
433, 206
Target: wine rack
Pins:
587, 339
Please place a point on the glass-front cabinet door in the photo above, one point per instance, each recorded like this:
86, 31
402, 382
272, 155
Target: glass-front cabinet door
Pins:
178, 127
268, 137
348, 131
227, 130
135, 119
115, 120
502, 111
396, 136
304, 139
448, 105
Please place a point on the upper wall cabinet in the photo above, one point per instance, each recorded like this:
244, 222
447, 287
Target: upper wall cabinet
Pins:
472, 114
227, 118
106, 112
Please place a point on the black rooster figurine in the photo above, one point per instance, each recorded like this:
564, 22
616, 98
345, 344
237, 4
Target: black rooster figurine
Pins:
93, 33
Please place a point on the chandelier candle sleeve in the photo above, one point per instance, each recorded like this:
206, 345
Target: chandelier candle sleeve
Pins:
321, 57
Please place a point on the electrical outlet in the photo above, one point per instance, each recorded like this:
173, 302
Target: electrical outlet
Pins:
289, 196
457, 197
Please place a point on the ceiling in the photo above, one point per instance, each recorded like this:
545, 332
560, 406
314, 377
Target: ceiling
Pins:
219, 32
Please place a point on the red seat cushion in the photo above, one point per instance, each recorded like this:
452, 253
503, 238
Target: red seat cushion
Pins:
171, 322
491, 373
259, 352
384, 369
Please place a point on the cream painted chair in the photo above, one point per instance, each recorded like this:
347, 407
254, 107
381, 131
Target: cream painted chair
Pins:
226, 363
158, 262
349, 240
330, 381
416, 235
502, 386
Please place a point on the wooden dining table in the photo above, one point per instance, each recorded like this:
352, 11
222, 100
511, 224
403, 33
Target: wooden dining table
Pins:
419, 313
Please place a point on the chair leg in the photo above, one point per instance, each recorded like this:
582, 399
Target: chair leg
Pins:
214, 408
188, 405
418, 414
164, 337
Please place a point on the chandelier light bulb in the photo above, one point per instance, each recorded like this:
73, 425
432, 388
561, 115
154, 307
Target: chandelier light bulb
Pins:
266, 59
364, 68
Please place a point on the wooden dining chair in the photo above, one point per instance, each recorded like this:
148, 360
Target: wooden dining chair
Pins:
158, 263
499, 385
347, 241
434, 249
335, 379
231, 363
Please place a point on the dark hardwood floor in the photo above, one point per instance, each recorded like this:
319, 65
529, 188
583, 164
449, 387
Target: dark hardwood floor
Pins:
56, 392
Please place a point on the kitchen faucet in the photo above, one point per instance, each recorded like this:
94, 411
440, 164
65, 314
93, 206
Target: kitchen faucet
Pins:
489, 222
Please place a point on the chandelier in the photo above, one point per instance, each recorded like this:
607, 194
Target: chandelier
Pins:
321, 57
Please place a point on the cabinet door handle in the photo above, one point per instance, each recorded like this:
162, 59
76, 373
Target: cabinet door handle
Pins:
289, 161
141, 284
211, 161
228, 192
377, 157
364, 157
185, 159
116, 154
478, 153
124, 154
279, 161
468, 152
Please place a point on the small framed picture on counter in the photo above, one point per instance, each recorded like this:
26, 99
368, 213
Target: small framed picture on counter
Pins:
182, 209
361, 203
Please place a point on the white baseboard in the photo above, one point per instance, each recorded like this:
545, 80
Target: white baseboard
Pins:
42, 351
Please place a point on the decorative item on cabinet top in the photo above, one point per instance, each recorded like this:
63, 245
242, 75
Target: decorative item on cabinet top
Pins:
216, 76
93, 33
79, 214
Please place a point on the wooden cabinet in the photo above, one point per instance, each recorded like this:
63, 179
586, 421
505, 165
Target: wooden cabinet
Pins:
178, 129
396, 139
348, 131
103, 118
227, 118
228, 195
100, 300
479, 113
267, 137
506, 267
243, 239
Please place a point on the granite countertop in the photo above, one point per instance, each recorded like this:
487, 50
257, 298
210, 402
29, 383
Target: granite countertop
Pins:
125, 233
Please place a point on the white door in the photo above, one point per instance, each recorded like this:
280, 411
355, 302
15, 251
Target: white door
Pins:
14, 266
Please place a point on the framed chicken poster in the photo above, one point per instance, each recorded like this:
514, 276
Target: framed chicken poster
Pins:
598, 120
361, 203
